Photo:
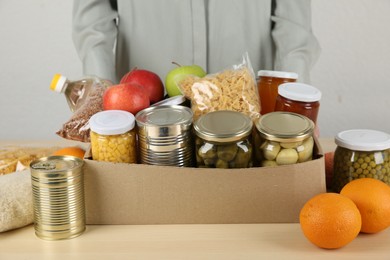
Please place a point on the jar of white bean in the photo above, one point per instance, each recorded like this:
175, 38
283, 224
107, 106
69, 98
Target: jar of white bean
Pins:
283, 138
113, 136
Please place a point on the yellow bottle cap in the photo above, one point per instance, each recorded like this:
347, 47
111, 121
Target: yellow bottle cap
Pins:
57, 83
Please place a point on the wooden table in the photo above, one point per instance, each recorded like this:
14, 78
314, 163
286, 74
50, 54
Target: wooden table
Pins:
235, 241
238, 241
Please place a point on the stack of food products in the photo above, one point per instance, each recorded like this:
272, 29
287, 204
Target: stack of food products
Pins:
223, 127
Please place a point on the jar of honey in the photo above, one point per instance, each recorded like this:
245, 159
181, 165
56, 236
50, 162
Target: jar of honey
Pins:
268, 87
361, 153
299, 98
113, 136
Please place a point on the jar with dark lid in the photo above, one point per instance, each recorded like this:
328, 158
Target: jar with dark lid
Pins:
113, 136
268, 83
223, 140
299, 98
361, 153
283, 138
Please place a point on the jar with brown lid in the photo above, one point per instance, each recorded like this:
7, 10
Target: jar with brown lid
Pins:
268, 83
361, 153
223, 140
113, 136
283, 138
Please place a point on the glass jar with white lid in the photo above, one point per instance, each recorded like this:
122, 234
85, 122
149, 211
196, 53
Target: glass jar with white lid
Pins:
361, 153
113, 136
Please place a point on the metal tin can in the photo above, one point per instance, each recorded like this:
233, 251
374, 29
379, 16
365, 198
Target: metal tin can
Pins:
361, 153
223, 140
58, 197
164, 136
283, 138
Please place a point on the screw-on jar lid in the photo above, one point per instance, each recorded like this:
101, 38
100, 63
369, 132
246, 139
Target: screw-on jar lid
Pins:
299, 92
58, 82
277, 74
284, 127
223, 126
112, 122
363, 140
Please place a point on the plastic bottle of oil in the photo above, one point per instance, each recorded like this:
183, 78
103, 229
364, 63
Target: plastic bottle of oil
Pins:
75, 91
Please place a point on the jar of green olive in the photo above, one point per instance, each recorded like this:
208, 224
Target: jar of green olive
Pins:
283, 138
223, 140
361, 153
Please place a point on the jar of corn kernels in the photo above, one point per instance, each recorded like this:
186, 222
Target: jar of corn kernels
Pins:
113, 136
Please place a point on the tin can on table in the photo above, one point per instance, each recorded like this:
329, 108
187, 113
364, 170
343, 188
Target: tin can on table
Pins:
58, 197
164, 136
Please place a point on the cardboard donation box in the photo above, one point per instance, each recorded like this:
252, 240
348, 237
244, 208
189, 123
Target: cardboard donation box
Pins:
119, 193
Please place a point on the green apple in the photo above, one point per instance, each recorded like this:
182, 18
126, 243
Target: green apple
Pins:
177, 74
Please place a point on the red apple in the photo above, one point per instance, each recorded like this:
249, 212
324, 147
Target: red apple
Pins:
129, 97
149, 80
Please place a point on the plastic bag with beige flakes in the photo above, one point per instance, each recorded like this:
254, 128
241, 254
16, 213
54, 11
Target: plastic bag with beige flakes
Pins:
232, 89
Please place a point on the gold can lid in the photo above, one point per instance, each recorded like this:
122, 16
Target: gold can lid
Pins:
284, 126
55, 166
223, 126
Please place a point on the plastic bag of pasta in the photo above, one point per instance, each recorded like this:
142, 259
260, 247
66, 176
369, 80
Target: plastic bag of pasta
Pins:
232, 89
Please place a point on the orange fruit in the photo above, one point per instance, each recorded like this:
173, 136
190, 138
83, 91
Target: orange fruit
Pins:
372, 197
330, 220
73, 151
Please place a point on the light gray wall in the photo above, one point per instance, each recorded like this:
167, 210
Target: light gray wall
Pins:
353, 71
